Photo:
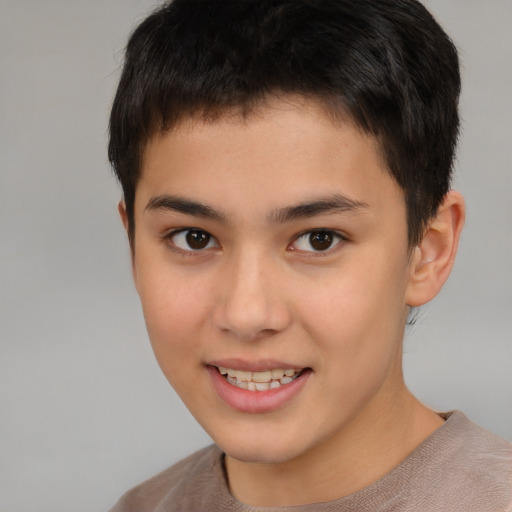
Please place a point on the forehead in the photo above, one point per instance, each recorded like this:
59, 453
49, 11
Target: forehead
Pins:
278, 153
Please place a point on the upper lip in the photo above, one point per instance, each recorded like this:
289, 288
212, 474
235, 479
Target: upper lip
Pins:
259, 365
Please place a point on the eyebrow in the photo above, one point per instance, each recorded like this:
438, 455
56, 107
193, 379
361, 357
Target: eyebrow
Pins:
322, 206
186, 206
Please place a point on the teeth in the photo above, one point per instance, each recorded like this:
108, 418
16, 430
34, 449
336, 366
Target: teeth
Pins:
279, 374
261, 376
259, 381
244, 376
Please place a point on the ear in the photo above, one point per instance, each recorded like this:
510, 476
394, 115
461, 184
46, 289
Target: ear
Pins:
121, 208
432, 260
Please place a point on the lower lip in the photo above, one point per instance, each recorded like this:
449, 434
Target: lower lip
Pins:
244, 400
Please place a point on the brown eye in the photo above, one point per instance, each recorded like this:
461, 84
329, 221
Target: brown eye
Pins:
321, 240
317, 241
191, 240
197, 239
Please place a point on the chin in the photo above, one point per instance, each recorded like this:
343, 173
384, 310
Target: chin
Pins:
266, 450
257, 455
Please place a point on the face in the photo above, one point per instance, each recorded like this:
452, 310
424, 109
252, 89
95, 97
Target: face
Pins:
271, 260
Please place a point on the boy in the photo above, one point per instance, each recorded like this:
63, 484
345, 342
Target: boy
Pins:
285, 168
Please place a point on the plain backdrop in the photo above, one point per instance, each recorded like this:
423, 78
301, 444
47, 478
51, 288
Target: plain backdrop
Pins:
84, 411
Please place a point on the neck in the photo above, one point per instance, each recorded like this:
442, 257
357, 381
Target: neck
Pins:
374, 443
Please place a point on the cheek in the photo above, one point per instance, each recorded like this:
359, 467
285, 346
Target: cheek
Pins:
358, 316
175, 312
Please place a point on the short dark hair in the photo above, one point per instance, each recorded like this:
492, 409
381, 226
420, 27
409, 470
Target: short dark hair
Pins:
387, 65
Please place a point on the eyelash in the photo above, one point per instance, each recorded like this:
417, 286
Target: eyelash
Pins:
337, 238
170, 236
337, 241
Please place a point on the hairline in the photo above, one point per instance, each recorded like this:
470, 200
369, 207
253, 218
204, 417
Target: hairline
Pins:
330, 106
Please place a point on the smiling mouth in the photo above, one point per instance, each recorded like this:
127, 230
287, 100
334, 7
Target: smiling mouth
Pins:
260, 381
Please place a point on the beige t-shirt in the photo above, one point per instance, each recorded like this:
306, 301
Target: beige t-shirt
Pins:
459, 468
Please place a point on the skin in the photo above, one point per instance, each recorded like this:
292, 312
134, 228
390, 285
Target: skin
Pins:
259, 292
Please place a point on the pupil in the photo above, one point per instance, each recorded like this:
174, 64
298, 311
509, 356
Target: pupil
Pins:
197, 239
320, 241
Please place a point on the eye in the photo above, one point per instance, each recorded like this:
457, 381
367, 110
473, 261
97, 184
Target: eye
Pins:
317, 241
192, 240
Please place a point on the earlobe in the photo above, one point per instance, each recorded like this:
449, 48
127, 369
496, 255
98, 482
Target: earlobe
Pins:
432, 260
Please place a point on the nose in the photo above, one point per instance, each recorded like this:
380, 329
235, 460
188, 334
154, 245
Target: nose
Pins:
251, 303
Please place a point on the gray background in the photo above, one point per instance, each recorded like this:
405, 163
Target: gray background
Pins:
84, 411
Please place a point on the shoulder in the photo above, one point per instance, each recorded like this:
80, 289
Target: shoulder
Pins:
460, 467
488, 465
183, 486
471, 467
477, 449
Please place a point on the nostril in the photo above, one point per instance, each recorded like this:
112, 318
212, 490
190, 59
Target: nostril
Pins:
249, 304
